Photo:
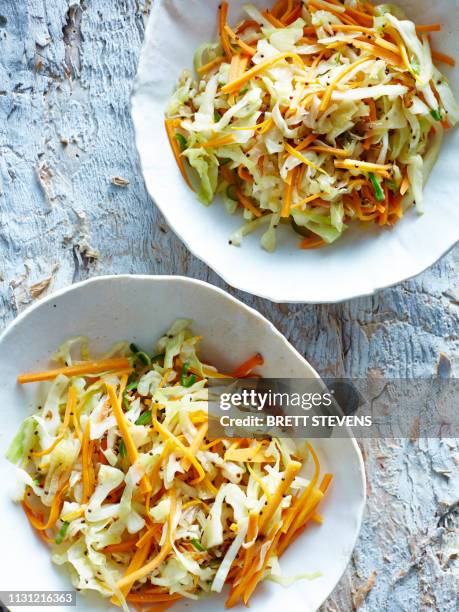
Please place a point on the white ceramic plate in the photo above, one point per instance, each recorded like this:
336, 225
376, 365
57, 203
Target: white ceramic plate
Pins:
140, 309
360, 263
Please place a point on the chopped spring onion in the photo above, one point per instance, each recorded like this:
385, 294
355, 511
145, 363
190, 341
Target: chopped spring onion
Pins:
144, 418
62, 531
436, 114
140, 355
187, 381
122, 449
379, 193
181, 140
197, 544
132, 386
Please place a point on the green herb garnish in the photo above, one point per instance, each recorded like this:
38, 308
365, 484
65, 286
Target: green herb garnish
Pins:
144, 418
62, 531
187, 381
140, 355
122, 449
197, 544
379, 193
436, 114
181, 141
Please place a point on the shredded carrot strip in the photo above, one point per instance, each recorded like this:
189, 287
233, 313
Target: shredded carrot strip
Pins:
176, 151
433, 27
167, 435
248, 24
150, 596
36, 523
351, 28
121, 546
381, 42
136, 563
234, 67
160, 557
326, 480
268, 512
258, 126
272, 20
70, 408
252, 583
337, 10
385, 207
218, 142
299, 178
371, 103
124, 429
238, 40
223, 35
279, 8
355, 164
329, 150
306, 142
311, 243
244, 174
260, 482
196, 502
328, 94
301, 521
196, 444
376, 51
309, 199
210, 65
56, 507
302, 158
246, 203
442, 57
290, 17
245, 368
239, 589
285, 212
238, 83
249, 552
287, 9
85, 459
251, 533
361, 18
82, 369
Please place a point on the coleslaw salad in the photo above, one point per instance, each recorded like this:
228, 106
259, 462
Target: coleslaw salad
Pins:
317, 114
116, 473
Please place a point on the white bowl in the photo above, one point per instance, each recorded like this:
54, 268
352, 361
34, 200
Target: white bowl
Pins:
140, 309
359, 264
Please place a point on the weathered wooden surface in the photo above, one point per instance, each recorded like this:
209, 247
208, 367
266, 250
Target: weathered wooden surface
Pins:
66, 70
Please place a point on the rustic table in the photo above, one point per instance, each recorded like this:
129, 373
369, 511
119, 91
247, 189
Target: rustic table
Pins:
73, 204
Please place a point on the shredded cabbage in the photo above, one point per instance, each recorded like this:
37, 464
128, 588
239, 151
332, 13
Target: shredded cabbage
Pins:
329, 93
132, 474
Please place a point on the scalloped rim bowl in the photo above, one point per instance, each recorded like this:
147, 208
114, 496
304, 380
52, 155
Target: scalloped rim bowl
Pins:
140, 309
364, 260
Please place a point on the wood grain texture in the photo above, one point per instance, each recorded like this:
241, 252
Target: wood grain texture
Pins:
73, 204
